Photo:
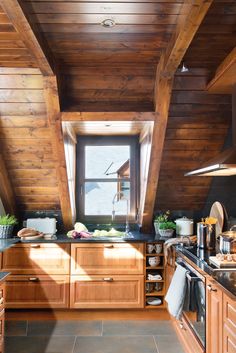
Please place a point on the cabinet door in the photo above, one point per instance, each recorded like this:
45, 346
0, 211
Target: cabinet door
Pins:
37, 258
37, 292
187, 337
107, 292
107, 258
214, 317
229, 318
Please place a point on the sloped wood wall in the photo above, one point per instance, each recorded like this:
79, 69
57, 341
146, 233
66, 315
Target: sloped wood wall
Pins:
26, 141
197, 128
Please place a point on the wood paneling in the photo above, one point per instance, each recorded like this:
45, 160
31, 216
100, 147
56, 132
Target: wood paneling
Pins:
197, 127
26, 140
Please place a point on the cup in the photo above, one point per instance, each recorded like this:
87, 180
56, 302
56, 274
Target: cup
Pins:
150, 248
154, 261
158, 248
158, 287
149, 287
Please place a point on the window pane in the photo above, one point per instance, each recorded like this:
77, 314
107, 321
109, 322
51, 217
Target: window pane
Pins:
99, 197
107, 162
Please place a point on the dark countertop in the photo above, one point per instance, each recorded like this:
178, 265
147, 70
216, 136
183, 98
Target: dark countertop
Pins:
225, 277
62, 238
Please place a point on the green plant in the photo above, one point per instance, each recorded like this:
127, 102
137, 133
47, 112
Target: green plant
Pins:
8, 220
162, 217
167, 225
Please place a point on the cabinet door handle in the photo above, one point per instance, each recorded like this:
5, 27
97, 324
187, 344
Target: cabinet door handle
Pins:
108, 279
33, 279
209, 287
109, 246
181, 325
1, 301
35, 246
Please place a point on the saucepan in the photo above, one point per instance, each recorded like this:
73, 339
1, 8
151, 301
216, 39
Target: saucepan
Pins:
227, 241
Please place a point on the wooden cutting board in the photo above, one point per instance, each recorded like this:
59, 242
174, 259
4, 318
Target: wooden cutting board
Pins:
221, 264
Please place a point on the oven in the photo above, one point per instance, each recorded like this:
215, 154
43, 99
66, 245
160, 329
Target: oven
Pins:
195, 301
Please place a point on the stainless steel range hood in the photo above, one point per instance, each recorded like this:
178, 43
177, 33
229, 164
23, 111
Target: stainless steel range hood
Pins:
225, 163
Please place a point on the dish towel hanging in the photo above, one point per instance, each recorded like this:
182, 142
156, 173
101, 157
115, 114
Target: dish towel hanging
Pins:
176, 293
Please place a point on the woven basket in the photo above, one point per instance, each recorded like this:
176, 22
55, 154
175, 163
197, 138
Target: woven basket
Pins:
166, 233
6, 231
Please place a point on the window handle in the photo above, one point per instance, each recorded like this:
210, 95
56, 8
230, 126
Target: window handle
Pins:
81, 190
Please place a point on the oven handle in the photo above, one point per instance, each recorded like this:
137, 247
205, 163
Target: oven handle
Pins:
197, 277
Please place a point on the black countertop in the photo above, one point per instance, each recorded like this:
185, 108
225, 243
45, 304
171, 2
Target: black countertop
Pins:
225, 277
7, 243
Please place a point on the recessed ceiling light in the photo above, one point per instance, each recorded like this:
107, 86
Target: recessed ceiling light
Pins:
184, 68
108, 22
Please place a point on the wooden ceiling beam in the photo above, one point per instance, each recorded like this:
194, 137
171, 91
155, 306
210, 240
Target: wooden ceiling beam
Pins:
108, 116
23, 27
54, 121
225, 76
6, 190
191, 15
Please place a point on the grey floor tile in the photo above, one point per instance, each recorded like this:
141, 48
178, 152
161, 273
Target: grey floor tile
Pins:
124, 344
117, 328
63, 344
66, 328
168, 344
15, 328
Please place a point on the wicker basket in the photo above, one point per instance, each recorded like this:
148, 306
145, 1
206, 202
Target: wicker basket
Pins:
166, 233
6, 231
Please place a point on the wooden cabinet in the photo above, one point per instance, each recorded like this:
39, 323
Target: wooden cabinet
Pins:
221, 320
214, 323
107, 258
37, 292
187, 337
37, 258
2, 314
107, 292
229, 324
39, 275
107, 275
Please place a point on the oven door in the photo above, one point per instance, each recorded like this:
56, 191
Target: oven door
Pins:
195, 302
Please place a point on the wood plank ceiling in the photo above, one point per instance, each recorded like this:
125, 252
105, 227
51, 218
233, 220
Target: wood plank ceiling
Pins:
106, 69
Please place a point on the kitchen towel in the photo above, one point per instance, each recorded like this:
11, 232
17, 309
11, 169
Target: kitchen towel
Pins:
176, 293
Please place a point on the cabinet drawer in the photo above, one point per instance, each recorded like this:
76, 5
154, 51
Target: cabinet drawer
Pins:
229, 312
107, 292
37, 258
107, 258
37, 292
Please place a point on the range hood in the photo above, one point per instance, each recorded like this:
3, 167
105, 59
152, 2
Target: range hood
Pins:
225, 163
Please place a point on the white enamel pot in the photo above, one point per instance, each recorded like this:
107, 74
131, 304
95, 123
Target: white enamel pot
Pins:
184, 226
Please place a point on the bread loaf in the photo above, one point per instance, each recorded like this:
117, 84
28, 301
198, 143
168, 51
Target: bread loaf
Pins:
27, 232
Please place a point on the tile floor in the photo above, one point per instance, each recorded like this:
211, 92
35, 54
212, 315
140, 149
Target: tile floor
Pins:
91, 337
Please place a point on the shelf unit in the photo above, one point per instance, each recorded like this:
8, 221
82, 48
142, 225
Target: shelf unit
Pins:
149, 288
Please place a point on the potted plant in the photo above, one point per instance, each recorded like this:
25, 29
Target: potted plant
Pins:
163, 225
7, 223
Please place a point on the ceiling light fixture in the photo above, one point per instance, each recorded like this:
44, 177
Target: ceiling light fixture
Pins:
108, 22
184, 68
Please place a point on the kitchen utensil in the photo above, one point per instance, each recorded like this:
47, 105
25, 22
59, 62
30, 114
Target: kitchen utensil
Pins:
158, 248
206, 236
184, 226
228, 241
154, 261
150, 248
217, 211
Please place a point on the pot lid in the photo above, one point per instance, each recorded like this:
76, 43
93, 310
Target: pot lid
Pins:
183, 219
228, 235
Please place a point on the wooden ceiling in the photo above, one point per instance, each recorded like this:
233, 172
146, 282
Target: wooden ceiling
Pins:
102, 67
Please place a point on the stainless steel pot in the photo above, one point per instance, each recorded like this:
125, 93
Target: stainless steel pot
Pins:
227, 241
206, 236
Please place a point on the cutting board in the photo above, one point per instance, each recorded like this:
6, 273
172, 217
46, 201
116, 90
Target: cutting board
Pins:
217, 211
221, 264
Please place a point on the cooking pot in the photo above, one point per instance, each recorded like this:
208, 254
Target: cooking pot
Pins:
184, 226
228, 241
